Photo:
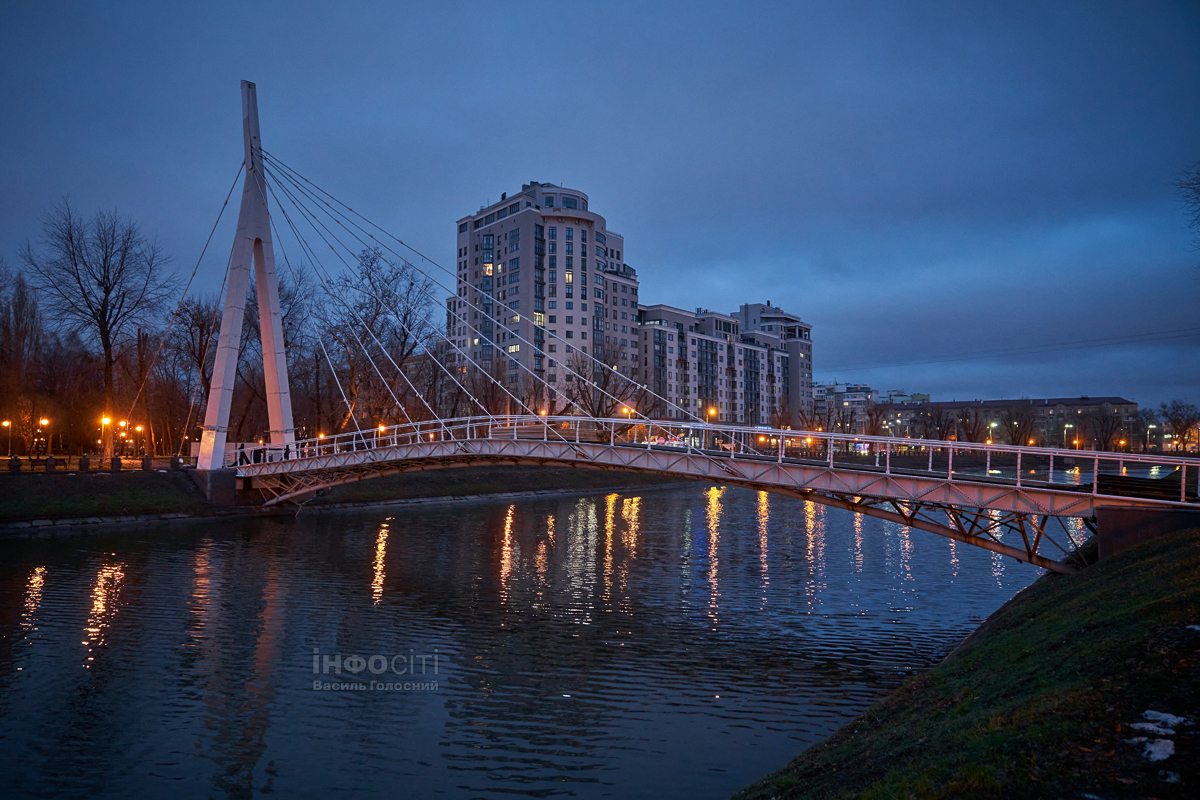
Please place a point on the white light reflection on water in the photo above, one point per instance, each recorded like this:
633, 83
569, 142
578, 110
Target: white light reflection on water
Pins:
713, 517
506, 552
858, 543
764, 521
582, 535
610, 514
380, 561
33, 598
814, 532
104, 608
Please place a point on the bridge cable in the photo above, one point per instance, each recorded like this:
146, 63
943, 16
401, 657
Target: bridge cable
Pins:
308, 249
517, 336
416, 334
467, 303
312, 254
484, 408
566, 367
519, 402
194, 393
186, 288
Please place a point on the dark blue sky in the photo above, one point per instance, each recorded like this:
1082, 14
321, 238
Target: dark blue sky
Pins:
918, 180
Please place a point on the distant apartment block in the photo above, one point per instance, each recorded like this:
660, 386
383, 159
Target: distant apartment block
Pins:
832, 398
706, 364
1049, 422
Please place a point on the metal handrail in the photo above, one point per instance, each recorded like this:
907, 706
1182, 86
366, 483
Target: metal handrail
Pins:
739, 441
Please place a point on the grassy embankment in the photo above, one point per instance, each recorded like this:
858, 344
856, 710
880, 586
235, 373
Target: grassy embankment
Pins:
1038, 701
30, 496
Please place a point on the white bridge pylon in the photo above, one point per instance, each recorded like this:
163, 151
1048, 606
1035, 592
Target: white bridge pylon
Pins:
251, 244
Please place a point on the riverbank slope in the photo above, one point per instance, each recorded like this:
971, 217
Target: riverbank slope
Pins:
1041, 700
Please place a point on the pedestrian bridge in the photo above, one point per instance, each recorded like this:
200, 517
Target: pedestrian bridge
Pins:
1011, 500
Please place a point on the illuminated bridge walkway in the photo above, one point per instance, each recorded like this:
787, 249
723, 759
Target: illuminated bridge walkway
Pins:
1012, 500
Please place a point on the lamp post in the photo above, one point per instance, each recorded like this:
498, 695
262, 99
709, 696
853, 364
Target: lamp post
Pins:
1068, 425
43, 423
8, 427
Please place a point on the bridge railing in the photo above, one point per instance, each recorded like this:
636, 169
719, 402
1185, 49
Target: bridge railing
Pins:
1163, 477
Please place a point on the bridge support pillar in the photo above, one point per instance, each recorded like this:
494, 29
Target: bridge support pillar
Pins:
251, 246
218, 485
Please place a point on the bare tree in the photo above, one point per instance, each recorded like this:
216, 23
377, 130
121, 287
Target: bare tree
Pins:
22, 339
973, 424
1103, 425
598, 388
1018, 424
99, 278
193, 338
1181, 419
380, 320
937, 423
781, 413
1146, 419
875, 419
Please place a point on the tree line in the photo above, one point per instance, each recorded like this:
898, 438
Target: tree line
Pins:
1099, 429
92, 328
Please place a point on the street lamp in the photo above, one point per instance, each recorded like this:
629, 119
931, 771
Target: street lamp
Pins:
42, 423
8, 427
1068, 425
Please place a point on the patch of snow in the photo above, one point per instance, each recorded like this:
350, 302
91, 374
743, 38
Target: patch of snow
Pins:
1159, 749
1168, 777
1192, 628
1150, 727
1170, 720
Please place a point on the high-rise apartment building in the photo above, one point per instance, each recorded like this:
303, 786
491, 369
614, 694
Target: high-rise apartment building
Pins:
772, 327
707, 365
544, 296
539, 278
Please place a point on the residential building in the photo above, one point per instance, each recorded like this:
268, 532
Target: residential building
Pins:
767, 326
897, 396
843, 407
1071, 422
703, 364
539, 276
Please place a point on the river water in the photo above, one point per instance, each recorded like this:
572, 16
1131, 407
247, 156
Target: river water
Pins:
673, 642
